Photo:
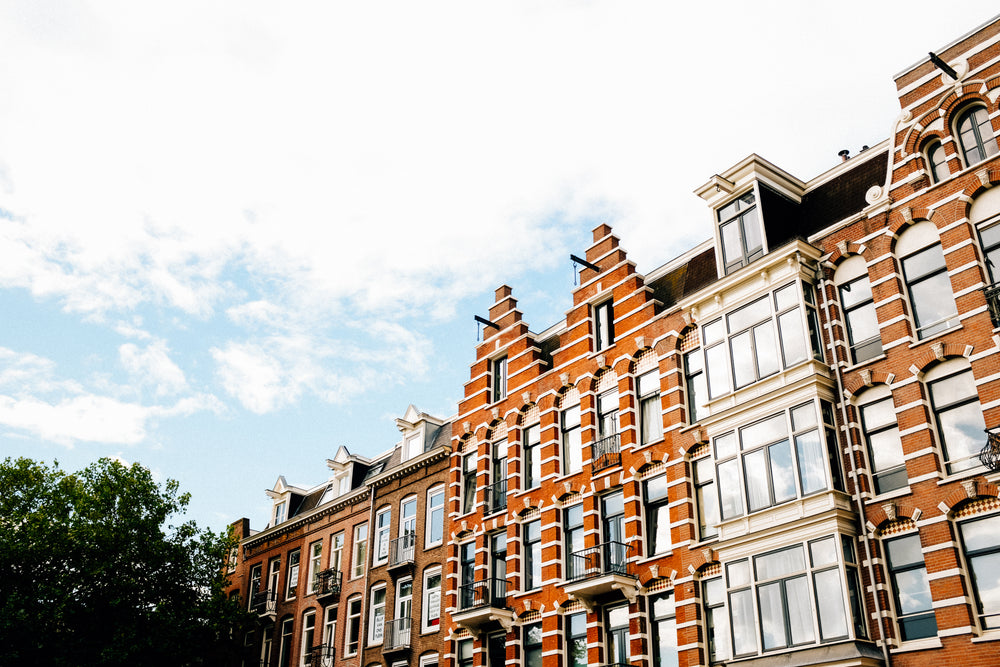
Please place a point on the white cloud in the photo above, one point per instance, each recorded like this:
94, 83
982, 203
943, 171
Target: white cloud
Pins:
153, 366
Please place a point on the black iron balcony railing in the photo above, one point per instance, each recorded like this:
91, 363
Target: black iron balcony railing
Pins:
496, 497
397, 634
328, 583
485, 593
607, 452
992, 294
265, 603
401, 550
990, 454
604, 559
321, 656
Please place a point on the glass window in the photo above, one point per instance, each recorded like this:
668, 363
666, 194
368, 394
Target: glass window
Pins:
353, 633
878, 421
697, 387
706, 497
576, 640
285, 643
498, 371
431, 617
975, 135
576, 566
938, 162
664, 627
381, 548
572, 444
308, 636
376, 616
468, 483
863, 331
650, 417
255, 576
716, 619
532, 639
435, 516
336, 551
604, 325
959, 419
291, 584
740, 232
657, 515
991, 247
912, 591
279, 512
533, 554
464, 653
467, 574
931, 295
532, 457
618, 649
981, 540
360, 550
764, 336
315, 565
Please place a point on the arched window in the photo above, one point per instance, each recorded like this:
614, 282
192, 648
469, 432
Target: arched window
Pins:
975, 133
881, 432
937, 162
958, 413
932, 299
858, 305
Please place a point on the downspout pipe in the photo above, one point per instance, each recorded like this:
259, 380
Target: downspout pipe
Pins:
856, 496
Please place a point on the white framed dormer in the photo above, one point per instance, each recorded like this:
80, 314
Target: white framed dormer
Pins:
284, 497
735, 199
341, 481
417, 429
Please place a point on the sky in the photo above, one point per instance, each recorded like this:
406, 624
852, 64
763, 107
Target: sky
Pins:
237, 236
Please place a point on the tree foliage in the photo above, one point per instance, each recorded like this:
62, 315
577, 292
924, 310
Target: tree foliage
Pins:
92, 574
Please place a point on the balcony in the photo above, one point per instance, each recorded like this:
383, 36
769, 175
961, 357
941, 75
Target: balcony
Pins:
606, 452
265, 604
397, 635
321, 656
328, 585
496, 497
990, 454
483, 602
600, 570
992, 294
401, 550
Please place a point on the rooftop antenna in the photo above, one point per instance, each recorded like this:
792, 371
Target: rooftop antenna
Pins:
585, 263
483, 322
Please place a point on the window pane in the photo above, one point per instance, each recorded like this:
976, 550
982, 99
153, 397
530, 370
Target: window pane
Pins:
744, 628
887, 452
755, 470
751, 233
780, 563
650, 418
800, 615
765, 431
803, 416
729, 485
925, 262
793, 338
732, 246
962, 430
738, 574
914, 592
726, 446
766, 351
986, 580
862, 324
855, 292
904, 551
830, 600
933, 303
717, 363
743, 367
750, 314
713, 331
812, 472
772, 616
782, 475
823, 552
786, 297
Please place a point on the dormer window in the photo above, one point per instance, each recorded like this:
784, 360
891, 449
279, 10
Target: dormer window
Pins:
280, 512
975, 134
739, 228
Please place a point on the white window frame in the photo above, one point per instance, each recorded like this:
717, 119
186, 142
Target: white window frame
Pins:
336, 561
315, 566
430, 514
376, 632
380, 536
292, 577
353, 620
308, 638
359, 550
427, 604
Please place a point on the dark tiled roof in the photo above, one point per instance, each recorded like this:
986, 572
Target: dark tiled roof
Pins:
686, 279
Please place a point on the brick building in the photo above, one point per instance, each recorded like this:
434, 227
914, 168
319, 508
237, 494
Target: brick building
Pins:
348, 572
766, 451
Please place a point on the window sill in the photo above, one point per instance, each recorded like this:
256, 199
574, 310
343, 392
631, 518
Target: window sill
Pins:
650, 559
862, 364
949, 330
987, 636
432, 631
889, 495
917, 645
959, 476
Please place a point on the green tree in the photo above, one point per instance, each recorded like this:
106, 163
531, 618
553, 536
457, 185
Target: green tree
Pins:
92, 574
